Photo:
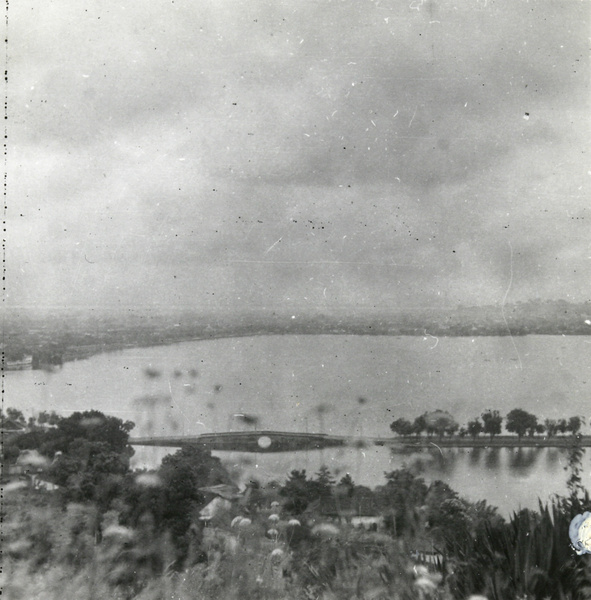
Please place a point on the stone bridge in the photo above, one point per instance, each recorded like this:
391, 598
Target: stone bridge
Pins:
284, 441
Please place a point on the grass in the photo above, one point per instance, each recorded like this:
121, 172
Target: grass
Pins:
52, 552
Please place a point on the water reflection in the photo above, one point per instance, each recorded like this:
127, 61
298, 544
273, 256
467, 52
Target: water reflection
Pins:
444, 462
481, 474
553, 456
523, 460
475, 455
492, 459
515, 463
418, 462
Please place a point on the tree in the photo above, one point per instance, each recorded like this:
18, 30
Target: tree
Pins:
574, 425
453, 428
94, 426
324, 477
520, 421
403, 487
402, 427
440, 422
45, 418
419, 425
347, 480
561, 426
173, 505
551, 427
402, 496
13, 414
346, 486
90, 452
438, 492
92, 456
474, 427
447, 516
534, 426
324, 482
492, 421
299, 491
54, 418
182, 474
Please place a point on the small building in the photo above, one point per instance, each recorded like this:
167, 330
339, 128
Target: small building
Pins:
218, 510
369, 523
9, 428
40, 482
19, 364
32, 461
358, 512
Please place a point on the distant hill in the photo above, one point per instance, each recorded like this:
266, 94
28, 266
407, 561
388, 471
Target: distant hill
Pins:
61, 336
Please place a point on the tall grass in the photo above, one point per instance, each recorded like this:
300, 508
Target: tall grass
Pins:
54, 553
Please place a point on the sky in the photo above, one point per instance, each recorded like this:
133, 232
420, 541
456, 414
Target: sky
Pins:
311, 155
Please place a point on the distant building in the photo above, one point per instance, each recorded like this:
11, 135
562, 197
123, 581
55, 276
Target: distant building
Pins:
10, 428
33, 460
216, 511
31, 467
21, 364
40, 482
359, 512
368, 522
219, 509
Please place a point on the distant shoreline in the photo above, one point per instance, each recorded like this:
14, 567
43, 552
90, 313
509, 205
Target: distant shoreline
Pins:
53, 340
75, 353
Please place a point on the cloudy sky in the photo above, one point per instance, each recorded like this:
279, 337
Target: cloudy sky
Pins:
314, 154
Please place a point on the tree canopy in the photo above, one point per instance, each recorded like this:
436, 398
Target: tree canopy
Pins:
13, 414
575, 424
400, 497
474, 427
492, 422
89, 449
520, 422
441, 422
402, 427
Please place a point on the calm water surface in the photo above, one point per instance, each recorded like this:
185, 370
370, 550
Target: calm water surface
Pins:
314, 383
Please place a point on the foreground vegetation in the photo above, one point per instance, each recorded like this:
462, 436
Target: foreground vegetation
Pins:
108, 532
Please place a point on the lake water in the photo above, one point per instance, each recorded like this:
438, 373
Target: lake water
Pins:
315, 383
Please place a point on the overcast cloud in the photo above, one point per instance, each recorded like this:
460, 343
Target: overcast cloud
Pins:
304, 153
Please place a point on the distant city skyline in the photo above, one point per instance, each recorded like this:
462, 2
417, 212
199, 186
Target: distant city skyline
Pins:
227, 156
